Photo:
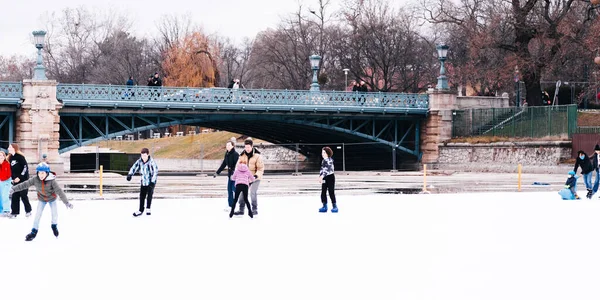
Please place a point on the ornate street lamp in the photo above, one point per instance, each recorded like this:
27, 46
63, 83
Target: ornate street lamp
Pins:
314, 64
346, 74
442, 50
39, 72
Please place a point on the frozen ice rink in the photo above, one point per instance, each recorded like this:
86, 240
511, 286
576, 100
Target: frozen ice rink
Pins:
443, 246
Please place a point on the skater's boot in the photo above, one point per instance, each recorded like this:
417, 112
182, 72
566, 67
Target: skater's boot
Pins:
55, 230
334, 209
148, 212
239, 213
137, 213
31, 235
589, 194
323, 209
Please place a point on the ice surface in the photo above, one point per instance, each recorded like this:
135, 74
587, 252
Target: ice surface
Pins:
453, 246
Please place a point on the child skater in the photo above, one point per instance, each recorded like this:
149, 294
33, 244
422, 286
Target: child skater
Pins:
243, 178
47, 189
5, 178
327, 180
570, 190
149, 171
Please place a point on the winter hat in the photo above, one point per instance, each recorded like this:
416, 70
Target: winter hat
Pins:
42, 167
4, 150
597, 148
571, 173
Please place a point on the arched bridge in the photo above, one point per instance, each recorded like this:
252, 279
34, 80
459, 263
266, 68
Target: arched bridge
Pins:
387, 123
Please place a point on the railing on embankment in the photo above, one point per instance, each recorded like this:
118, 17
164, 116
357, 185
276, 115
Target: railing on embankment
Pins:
532, 122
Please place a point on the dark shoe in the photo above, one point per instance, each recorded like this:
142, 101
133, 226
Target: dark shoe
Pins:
148, 213
31, 235
255, 212
55, 230
239, 213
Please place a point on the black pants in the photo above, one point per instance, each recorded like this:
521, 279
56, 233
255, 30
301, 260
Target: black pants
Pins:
149, 191
328, 185
15, 205
243, 189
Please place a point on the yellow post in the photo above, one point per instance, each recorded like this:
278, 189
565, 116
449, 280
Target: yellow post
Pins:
520, 166
424, 177
101, 169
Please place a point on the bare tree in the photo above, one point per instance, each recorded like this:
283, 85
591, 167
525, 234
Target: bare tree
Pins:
16, 68
532, 32
72, 42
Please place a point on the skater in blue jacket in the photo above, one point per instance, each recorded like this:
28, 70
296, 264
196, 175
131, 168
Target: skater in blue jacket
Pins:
570, 190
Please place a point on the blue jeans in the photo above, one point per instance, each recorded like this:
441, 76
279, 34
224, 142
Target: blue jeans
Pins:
587, 179
40, 210
230, 191
596, 182
4, 199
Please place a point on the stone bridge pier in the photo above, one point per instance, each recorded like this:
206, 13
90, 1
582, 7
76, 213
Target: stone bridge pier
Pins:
38, 124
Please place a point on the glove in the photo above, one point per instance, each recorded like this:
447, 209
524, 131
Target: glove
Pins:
255, 176
215, 175
69, 205
566, 186
128, 177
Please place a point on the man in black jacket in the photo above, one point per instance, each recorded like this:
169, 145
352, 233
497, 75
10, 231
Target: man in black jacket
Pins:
584, 162
596, 166
229, 161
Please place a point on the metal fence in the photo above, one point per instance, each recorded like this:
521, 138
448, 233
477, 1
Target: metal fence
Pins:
531, 122
194, 154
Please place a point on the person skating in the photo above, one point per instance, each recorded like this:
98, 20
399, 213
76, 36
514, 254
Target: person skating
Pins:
596, 165
19, 173
243, 178
149, 173
257, 167
47, 190
5, 185
584, 162
570, 190
229, 160
327, 180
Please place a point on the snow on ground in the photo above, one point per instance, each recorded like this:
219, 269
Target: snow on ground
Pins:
446, 246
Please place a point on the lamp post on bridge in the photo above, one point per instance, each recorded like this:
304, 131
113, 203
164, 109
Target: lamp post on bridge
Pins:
442, 50
39, 72
314, 64
346, 74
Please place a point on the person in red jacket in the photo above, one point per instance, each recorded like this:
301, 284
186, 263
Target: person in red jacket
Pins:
5, 178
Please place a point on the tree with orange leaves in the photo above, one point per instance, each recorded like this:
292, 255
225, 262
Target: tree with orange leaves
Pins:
191, 62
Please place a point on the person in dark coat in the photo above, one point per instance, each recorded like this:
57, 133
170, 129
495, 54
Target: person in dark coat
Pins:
229, 160
130, 81
596, 165
19, 173
584, 162
363, 87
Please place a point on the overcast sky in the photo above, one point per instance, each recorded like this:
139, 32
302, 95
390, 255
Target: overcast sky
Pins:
232, 18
